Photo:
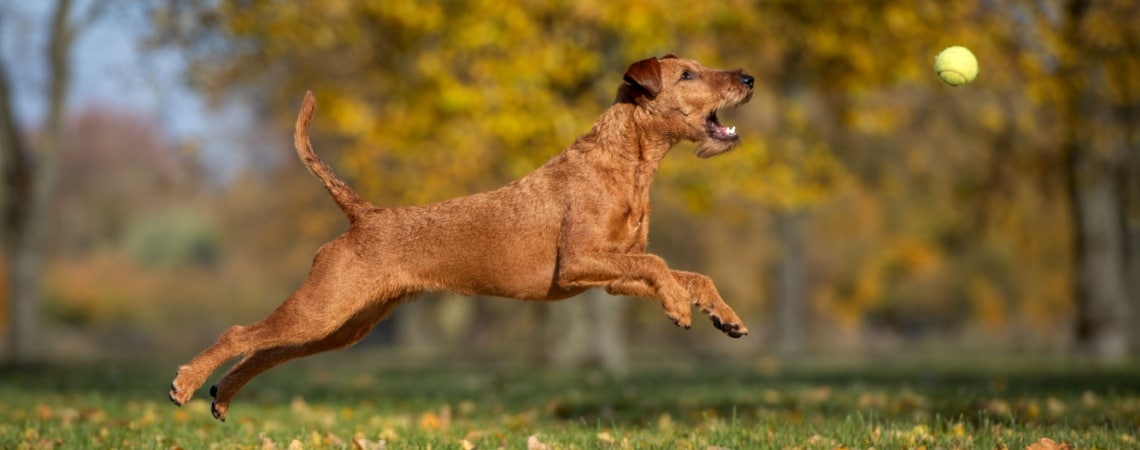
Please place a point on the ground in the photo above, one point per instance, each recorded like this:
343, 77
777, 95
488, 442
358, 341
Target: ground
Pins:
350, 400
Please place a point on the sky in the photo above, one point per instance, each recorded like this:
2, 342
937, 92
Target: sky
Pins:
112, 70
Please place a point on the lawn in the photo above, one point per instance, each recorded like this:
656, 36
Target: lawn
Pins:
350, 400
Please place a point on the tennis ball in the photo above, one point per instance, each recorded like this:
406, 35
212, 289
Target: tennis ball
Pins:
956, 65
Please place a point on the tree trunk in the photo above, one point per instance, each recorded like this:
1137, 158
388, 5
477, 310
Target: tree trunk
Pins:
592, 333
791, 284
31, 179
1103, 307
1094, 150
1132, 217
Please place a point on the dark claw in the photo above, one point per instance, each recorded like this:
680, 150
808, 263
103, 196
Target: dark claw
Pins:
173, 390
728, 328
214, 391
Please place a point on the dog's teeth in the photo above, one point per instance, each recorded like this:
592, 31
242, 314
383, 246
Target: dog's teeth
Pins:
732, 130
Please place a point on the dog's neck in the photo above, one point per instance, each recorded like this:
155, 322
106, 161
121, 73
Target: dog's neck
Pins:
619, 143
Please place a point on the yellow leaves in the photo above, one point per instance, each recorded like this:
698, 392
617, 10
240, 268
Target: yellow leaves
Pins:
349, 115
1102, 30
901, 20
427, 17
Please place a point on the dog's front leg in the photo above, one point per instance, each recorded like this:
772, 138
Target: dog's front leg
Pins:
648, 276
703, 294
709, 301
621, 274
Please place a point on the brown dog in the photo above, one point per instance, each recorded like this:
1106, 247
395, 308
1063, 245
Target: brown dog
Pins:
578, 222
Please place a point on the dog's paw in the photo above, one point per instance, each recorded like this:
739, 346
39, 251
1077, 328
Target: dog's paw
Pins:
683, 322
218, 410
178, 396
174, 397
185, 383
732, 329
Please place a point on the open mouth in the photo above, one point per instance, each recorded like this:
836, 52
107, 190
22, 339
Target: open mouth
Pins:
718, 131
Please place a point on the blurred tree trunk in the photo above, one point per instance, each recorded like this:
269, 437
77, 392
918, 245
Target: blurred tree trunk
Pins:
591, 333
791, 284
30, 173
1132, 215
1094, 152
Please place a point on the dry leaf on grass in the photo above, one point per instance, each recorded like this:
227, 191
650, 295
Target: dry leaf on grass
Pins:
1048, 444
532, 443
365, 444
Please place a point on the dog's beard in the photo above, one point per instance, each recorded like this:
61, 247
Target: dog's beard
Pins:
708, 147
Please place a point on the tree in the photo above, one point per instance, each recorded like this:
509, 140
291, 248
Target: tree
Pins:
1099, 106
30, 166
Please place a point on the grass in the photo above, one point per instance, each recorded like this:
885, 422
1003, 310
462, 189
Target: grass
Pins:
350, 400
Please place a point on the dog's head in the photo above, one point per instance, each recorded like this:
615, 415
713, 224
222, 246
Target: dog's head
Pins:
685, 96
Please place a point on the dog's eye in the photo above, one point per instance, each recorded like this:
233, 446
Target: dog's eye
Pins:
686, 75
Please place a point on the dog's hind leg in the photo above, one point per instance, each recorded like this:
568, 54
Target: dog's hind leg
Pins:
262, 360
338, 288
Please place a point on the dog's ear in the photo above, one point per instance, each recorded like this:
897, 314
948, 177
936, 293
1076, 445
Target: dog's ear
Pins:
646, 75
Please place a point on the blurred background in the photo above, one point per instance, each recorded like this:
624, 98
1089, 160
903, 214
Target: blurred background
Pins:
151, 197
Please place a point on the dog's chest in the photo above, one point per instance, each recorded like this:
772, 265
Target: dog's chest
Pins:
629, 225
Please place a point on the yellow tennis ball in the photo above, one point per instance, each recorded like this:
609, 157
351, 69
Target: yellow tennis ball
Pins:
956, 65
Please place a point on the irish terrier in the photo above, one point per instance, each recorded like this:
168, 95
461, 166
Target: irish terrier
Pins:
578, 222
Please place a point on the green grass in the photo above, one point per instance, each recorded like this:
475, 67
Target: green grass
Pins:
328, 402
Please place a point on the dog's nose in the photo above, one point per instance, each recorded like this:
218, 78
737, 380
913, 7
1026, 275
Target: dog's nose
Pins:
748, 80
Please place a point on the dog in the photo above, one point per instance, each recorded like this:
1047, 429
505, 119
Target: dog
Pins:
578, 222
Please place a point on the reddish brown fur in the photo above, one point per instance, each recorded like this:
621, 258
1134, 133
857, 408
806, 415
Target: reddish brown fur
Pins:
578, 222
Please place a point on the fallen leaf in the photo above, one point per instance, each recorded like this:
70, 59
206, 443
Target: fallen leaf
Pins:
467, 445
431, 422
1048, 444
606, 437
365, 444
532, 443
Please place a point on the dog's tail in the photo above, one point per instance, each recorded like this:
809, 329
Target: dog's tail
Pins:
353, 205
